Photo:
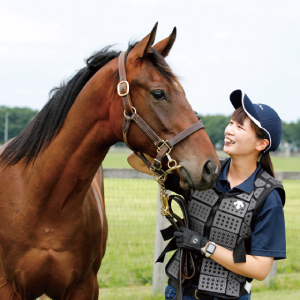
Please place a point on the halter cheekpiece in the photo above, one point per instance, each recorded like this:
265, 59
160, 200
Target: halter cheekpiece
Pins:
130, 114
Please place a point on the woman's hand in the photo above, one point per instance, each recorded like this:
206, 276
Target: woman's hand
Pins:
136, 163
190, 240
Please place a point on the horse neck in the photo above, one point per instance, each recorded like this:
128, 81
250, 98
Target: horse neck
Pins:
76, 153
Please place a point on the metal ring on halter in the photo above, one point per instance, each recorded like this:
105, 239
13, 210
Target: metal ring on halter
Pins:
127, 88
134, 111
170, 160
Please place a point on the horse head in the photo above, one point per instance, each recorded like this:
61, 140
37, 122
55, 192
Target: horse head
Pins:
159, 99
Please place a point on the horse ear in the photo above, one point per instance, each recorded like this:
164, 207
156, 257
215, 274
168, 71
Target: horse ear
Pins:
143, 47
164, 46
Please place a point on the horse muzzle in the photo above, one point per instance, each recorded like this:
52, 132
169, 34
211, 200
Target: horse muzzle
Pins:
201, 181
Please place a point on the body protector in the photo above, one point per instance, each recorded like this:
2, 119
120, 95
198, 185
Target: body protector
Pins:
227, 220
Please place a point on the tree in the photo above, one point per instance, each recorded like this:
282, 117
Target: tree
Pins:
215, 126
19, 118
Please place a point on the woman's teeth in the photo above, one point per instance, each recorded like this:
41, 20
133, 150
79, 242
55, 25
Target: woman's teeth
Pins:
228, 141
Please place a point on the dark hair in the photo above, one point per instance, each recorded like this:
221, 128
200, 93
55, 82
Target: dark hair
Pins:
239, 116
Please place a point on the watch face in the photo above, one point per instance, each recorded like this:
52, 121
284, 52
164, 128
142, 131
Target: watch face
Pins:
211, 248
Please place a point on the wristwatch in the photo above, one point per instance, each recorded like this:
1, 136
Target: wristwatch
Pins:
210, 249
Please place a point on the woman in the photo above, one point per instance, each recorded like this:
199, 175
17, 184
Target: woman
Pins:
237, 228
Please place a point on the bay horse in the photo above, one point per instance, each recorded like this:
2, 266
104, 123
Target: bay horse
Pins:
53, 227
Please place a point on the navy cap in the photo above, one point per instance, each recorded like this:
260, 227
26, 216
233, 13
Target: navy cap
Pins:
262, 115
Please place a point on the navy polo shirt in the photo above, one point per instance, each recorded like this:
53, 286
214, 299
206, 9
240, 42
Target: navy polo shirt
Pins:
268, 238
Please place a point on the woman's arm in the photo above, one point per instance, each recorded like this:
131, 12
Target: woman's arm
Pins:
136, 163
257, 267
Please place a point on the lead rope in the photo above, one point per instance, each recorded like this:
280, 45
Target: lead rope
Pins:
164, 197
163, 149
167, 212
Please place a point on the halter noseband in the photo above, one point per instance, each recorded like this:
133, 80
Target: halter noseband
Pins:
163, 147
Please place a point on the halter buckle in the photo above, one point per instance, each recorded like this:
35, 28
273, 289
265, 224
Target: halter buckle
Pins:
157, 164
165, 143
127, 88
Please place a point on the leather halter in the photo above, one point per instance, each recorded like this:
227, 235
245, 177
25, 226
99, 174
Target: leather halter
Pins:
163, 147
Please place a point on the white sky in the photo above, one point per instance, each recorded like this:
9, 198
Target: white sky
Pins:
221, 45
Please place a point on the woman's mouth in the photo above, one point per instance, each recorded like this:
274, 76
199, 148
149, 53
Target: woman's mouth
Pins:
228, 141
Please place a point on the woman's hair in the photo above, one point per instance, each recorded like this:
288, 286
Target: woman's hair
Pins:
239, 116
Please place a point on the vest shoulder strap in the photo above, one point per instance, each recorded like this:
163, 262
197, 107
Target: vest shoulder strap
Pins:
223, 161
267, 184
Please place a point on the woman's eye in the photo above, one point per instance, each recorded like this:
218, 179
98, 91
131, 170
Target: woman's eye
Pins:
159, 95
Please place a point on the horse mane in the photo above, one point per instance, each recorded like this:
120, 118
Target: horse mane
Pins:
39, 133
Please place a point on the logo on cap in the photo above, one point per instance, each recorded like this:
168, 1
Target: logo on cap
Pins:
260, 106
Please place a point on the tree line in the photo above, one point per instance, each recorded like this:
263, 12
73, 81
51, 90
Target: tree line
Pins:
19, 118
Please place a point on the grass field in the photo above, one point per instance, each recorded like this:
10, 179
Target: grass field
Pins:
144, 293
118, 159
131, 210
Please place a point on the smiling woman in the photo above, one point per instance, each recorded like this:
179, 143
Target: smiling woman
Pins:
237, 227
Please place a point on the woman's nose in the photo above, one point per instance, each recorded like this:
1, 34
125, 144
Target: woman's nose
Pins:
229, 130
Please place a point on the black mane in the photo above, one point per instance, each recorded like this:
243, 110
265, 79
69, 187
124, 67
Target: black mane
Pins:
37, 136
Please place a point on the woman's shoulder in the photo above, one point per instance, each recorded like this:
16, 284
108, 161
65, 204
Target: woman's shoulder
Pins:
273, 200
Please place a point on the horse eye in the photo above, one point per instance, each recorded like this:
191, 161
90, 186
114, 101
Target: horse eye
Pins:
158, 95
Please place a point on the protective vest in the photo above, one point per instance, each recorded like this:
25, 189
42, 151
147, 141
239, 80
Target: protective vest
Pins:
227, 220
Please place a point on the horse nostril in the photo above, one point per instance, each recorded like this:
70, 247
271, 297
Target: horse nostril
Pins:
207, 169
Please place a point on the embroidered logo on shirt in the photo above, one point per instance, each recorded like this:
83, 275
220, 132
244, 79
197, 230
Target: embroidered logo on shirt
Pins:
239, 204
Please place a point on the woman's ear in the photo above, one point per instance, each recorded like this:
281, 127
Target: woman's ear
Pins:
262, 144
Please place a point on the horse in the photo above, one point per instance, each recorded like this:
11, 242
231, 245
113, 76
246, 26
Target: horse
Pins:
53, 227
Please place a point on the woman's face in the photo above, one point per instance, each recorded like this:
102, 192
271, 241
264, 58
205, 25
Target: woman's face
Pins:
240, 139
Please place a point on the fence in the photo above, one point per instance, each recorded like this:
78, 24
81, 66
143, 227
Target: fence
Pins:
132, 212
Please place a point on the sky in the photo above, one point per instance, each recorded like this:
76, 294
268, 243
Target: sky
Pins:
221, 45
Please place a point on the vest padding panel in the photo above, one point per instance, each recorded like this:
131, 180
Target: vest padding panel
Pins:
229, 219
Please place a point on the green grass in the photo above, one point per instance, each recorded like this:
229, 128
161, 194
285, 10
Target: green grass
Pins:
118, 159
131, 213
131, 209
145, 293
287, 164
292, 223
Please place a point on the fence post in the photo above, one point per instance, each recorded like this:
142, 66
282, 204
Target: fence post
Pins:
272, 274
159, 275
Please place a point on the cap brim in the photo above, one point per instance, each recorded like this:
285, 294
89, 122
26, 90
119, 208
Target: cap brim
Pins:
238, 98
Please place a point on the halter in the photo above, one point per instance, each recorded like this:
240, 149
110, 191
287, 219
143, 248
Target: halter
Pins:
163, 147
